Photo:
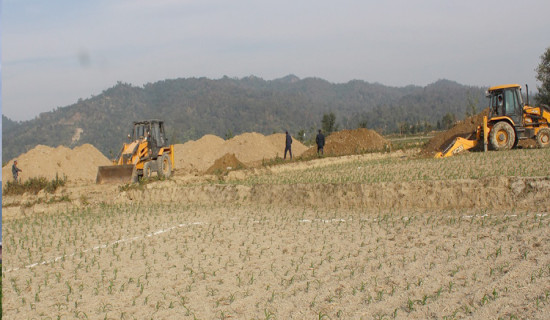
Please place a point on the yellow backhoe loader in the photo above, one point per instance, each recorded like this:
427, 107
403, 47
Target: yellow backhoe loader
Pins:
147, 152
510, 120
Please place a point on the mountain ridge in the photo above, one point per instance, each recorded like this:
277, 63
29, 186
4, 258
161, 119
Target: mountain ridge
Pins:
193, 107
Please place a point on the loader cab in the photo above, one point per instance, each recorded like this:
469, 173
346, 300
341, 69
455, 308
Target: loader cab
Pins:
506, 101
154, 128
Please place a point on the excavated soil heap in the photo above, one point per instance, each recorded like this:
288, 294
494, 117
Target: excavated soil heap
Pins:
464, 129
199, 155
224, 164
250, 147
79, 163
348, 142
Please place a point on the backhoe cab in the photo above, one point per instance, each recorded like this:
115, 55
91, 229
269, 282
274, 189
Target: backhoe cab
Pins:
147, 152
509, 120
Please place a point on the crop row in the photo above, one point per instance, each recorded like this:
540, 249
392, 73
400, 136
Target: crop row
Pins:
474, 165
265, 262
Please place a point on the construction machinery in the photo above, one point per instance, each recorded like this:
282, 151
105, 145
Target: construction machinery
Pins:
147, 152
509, 120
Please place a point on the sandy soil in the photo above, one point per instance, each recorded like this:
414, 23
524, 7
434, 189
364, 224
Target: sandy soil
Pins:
225, 164
211, 247
492, 192
347, 142
249, 148
257, 262
78, 164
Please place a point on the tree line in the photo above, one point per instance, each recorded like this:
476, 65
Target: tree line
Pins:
193, 107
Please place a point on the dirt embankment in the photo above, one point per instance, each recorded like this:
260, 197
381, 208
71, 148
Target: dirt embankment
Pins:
197, 156
348, 142
488, 193
76, 164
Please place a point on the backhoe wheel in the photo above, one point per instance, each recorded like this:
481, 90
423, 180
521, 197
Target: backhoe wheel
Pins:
164, 166
543, 138
147, 172
135, 176
502, 136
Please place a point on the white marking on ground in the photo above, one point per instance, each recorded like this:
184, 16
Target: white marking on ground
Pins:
103, 246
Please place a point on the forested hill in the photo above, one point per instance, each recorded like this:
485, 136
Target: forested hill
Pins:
193, 107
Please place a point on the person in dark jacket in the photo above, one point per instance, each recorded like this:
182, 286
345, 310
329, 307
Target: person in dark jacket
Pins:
320, 140
288, 145
15, 170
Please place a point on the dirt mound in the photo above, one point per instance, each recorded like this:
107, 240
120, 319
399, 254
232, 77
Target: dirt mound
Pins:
251, 147
463, 129
198, 156
278, 141
224, 164
79, 163
194, 156
348, 142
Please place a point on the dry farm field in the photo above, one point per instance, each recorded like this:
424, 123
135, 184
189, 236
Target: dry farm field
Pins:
375, 236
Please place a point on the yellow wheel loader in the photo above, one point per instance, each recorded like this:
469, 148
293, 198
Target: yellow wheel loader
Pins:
510, 120
147, 152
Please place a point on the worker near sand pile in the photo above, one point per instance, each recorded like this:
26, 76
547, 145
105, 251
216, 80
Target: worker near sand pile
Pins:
320, 140
288, 145
15, 170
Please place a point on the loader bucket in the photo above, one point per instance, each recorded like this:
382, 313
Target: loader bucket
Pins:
458, 145
115, 174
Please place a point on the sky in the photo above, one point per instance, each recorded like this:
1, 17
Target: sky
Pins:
57, 51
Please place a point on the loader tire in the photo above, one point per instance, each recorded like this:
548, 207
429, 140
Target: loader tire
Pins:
135, 176
164, 166
543, 138
502, 136
147, 170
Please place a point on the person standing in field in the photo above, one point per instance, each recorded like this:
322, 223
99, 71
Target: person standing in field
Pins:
288, 145
320, 140
15, 170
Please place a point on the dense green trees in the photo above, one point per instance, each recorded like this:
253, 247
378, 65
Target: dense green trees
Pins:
448, 121
193, 107
328, 123
543, 75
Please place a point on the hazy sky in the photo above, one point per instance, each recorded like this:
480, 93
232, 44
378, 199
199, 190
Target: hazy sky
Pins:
57, 51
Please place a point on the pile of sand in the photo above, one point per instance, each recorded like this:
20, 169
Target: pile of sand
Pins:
224, 164
79, 163
348, 142
201, 154
197, 155
464, 129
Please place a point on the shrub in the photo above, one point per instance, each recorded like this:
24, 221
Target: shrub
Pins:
34, 185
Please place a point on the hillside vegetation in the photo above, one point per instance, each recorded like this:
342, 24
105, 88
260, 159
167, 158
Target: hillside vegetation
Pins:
225, 107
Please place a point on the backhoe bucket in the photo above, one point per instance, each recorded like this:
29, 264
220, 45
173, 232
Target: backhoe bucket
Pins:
115, 174
458, 145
